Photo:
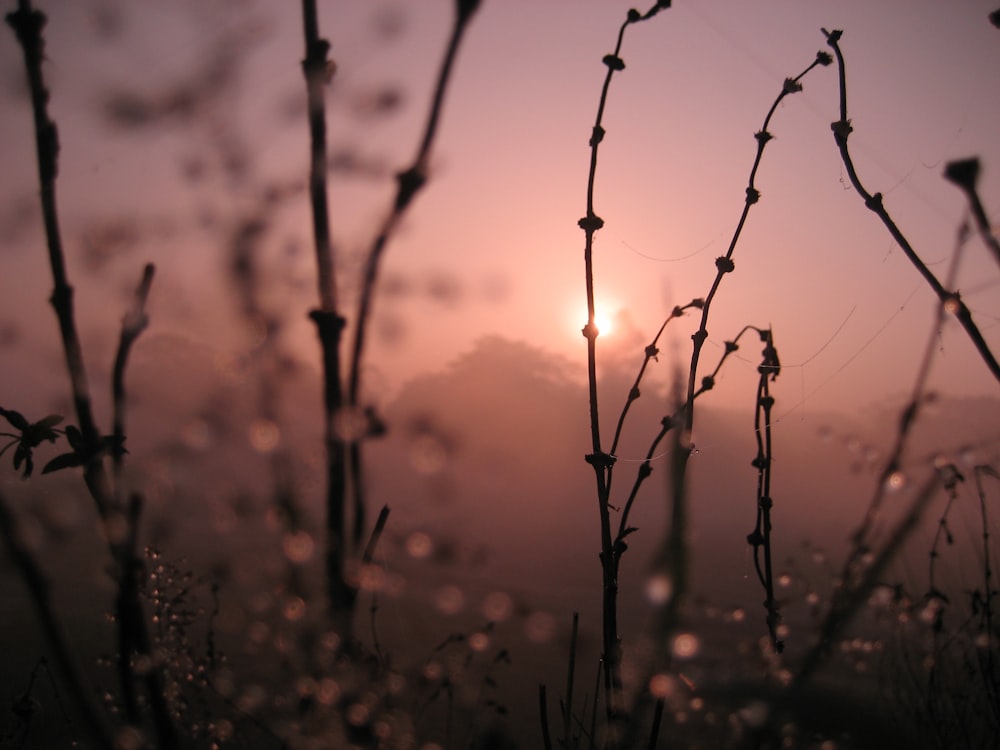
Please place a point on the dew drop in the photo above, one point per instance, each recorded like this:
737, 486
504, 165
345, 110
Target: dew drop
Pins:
358, 714
224, 730
129, 738
350, 424
896, 481
479, 642
659, 589
371, 578
299, 547
419, 545
327, 691
540, 627
264, 435
428, 455
685, 645
197, 435
784, 580
662, 685
433, 671
497, 606
252, 698
881, 597
449, 599
294, 608
754, 714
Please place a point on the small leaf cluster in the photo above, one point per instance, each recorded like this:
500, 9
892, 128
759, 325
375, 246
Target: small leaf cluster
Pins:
30, 435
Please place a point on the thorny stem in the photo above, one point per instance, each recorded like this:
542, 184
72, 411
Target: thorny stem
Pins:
841, 130
650, 352
760, 537
725, 263
27, 24
863, 567
601, 461
668, 423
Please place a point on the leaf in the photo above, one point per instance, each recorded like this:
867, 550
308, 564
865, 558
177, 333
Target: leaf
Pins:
23, 454
63, 461
75, 437
15, 418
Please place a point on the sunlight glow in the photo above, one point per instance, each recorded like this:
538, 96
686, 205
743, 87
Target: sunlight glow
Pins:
604, 323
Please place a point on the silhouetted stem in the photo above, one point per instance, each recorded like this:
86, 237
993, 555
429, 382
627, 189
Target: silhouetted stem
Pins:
601, 461
28, 24
965, 174
369, 553
725, 263
38, 588
841, 130
543, 713
133, 325
854, 592
317, 67
410, 182
654, 732
988, 590
650, 352
570, 681
908, 416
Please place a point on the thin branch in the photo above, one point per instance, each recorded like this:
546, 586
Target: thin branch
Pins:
725, 264
601, 461
873, 201
133, 324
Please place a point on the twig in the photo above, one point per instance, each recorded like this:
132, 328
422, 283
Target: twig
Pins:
654, 732
570, 674
965, 174
410, 181
952, 300
724, 264
133, 324
543, 712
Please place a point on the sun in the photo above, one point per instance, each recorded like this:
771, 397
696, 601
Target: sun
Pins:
604, 323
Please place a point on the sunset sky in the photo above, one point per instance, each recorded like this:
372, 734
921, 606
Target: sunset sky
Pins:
492, 245
185, 143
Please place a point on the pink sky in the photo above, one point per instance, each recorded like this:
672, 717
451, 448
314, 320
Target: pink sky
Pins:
492, 248
492, 245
